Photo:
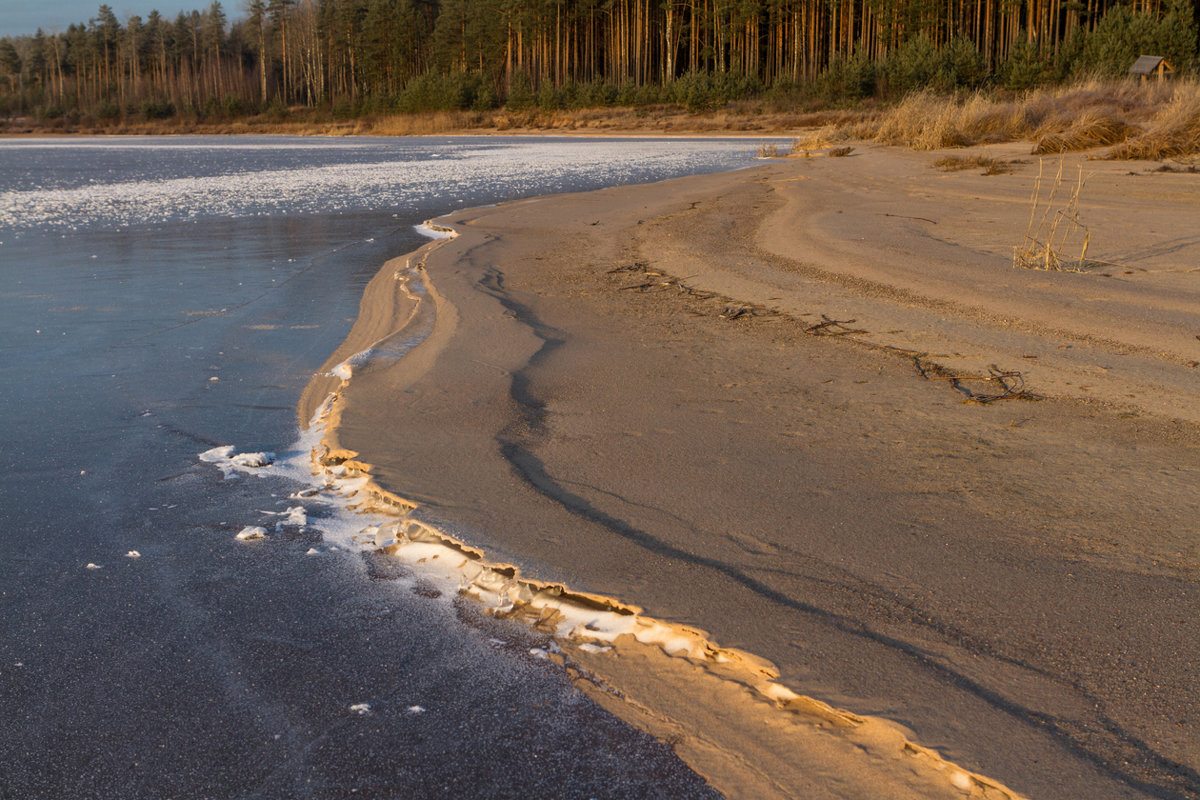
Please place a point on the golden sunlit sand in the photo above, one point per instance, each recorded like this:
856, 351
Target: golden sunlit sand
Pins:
924, 519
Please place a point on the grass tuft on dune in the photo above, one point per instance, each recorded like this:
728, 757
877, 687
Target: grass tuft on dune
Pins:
1153, 120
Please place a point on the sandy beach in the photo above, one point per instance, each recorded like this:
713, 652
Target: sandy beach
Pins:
811, 416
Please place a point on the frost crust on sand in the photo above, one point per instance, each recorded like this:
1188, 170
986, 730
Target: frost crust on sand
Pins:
435, 231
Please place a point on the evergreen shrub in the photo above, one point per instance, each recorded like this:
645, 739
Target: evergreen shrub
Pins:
520, 92
912, 66
156, 109
1024, 68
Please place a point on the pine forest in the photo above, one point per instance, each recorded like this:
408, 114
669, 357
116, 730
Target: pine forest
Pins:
354, 57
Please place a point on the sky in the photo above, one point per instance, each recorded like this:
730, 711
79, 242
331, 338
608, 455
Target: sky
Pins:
26, 16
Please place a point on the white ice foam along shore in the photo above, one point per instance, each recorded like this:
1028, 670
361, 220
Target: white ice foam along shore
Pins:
333, 489
230, 462
436, 557
435, 231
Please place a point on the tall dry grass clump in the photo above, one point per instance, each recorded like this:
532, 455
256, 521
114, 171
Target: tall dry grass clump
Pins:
922, 121
1054, 228
1093, 127
1173, 133
821, 138
930, 121
427, 123
1140, 120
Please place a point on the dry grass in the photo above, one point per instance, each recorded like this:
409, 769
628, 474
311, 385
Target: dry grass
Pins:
1054, 227
1137, 120
827, 138
1173, 133
1094, 127
989, 165
822, 139
929, 121
816, 140
744, 117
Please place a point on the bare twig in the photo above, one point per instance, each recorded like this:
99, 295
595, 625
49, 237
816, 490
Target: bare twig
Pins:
902, 216
833, 327
1002, 384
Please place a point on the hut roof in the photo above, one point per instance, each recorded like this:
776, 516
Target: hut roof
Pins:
1146, 65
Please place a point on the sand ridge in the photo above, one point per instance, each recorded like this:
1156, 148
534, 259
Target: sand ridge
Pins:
980, 574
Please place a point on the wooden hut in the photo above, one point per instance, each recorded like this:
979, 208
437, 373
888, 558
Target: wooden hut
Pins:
1146, 66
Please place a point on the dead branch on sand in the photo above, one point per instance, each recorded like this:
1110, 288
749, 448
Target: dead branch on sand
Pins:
1002, 384
833, 327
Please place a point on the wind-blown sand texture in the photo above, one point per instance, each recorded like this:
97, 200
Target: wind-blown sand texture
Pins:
793, 413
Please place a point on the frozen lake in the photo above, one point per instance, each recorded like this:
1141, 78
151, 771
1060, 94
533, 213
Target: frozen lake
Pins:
164, 296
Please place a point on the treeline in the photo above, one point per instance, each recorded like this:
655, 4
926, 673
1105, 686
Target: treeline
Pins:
361, 56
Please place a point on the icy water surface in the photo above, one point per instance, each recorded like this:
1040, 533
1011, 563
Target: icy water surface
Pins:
160, 297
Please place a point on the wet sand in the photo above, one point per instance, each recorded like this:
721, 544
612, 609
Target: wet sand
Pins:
758, 406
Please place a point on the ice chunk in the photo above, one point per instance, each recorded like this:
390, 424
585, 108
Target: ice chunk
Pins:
385, 536
361, 708
296, 515
435, 231
93, 566
133, 554
218, 453
253, 459
252, 532
416, 710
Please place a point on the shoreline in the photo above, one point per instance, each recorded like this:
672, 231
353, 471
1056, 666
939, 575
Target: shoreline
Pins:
618, 122
808, 735
500, 413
